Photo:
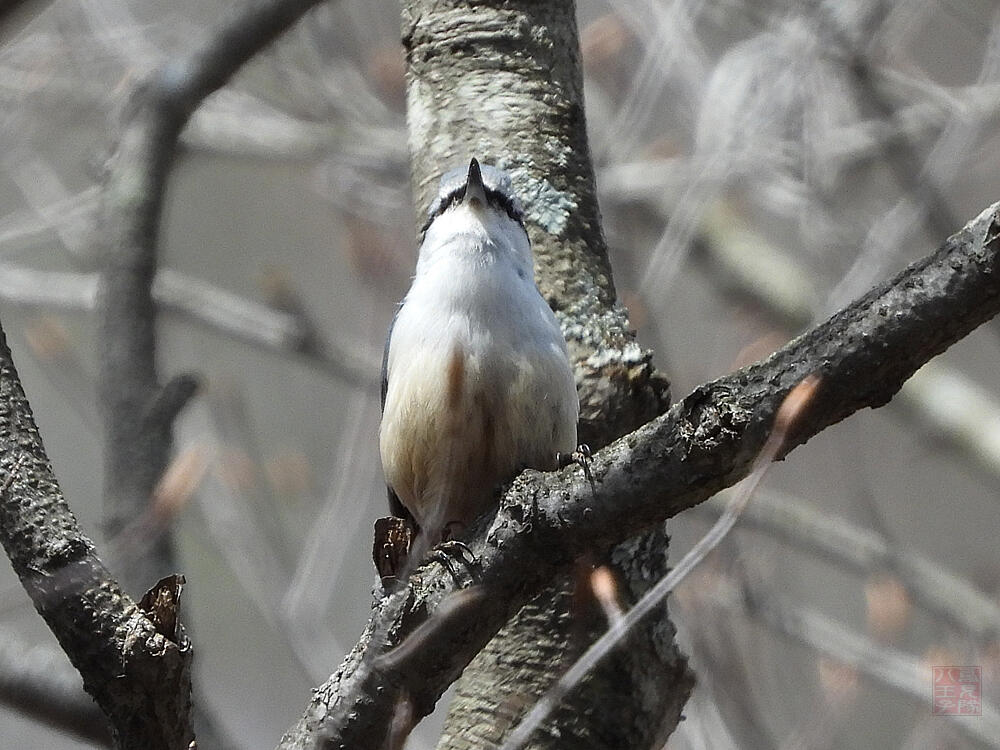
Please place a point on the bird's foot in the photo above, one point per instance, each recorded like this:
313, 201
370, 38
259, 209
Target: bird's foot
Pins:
460, 561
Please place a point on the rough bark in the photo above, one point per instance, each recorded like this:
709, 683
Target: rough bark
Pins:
502, 81
706, 442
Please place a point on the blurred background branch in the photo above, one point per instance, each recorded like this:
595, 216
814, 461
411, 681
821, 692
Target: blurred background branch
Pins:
40, 682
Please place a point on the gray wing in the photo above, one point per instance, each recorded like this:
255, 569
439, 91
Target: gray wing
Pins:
385, 359
396, 507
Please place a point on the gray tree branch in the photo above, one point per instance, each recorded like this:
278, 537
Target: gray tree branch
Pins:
139, 677
200, 302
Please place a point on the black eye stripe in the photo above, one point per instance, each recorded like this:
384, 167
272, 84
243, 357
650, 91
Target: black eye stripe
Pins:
448, 202
506, 203
494, 197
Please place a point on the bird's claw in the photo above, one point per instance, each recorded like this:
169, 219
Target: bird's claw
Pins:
458, 559
581, 457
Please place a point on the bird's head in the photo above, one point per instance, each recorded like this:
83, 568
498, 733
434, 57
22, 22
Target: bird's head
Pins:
477, 202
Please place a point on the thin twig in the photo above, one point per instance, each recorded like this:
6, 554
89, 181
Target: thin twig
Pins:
947, 595
200, 302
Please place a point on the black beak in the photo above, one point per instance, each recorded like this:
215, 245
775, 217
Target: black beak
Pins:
474, 189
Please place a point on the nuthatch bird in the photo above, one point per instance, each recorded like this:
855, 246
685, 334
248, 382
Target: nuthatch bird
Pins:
476, 380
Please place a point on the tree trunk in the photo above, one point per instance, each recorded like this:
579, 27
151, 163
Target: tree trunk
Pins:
502, 81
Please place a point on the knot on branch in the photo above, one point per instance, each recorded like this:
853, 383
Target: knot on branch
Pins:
161, 605
490, 34
149, 656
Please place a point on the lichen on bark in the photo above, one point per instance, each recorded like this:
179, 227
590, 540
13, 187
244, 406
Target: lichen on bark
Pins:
502, 81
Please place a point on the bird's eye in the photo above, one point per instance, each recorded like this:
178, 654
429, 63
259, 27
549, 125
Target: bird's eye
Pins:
506, 204
493, 197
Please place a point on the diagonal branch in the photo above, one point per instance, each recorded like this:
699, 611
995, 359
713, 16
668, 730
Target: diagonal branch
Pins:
706, 442
139, 677
623, 625
942, 402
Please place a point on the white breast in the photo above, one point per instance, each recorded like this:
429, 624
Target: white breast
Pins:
479, 387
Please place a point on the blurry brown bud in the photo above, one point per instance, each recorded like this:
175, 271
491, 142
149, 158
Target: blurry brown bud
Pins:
47, 338
179, 482
605, 588
236, 470
888, 606
602, 42
837, 681
372, 252
387, 70
637, 310
289, 474
795, 403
